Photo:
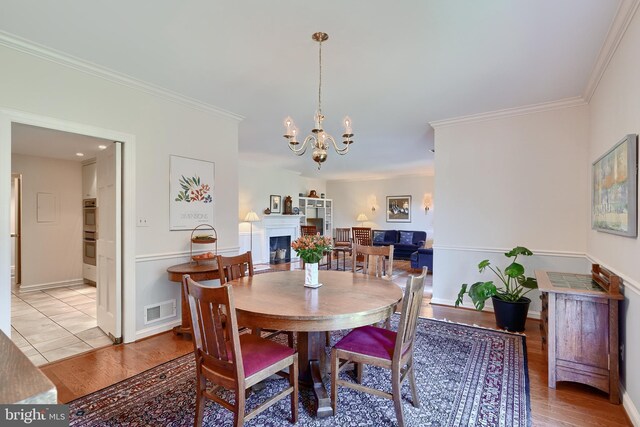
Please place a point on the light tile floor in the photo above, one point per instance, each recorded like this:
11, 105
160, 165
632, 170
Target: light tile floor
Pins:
56, 323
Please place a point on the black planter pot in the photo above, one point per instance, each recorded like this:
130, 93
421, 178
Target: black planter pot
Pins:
511, 315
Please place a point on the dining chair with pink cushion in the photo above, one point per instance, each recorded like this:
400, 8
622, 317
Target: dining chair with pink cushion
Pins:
381, 347
232, 361
236, 267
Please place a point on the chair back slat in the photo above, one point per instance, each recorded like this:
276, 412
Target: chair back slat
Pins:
411, 302
216, 343
308, 230
235, 267
377, 261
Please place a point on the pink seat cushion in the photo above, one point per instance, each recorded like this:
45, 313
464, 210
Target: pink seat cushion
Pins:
369, 340
259, 353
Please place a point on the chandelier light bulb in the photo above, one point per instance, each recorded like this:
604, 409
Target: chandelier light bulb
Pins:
347, 125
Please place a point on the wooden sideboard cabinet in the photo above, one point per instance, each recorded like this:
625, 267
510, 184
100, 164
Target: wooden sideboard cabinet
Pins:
579, 325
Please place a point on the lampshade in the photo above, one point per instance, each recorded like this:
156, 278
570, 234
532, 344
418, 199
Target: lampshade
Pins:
251, 217
362, 217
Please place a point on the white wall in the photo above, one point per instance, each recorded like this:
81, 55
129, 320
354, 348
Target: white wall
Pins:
353, 197
614, 113
162, 125
507, 181
51, 251
257, 183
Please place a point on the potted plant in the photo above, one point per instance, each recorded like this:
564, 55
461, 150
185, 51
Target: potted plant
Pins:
510, 304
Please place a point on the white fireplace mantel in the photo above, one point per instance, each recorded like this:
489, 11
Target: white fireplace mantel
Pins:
279, 225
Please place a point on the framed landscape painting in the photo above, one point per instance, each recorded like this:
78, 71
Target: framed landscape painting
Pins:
190, 193
614, 203
398, 208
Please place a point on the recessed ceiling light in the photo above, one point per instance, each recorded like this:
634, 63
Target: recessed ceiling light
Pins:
102, 147
79, 154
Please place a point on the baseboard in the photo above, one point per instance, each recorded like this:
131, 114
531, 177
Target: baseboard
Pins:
632, 411
487, 308
51, 285
157, 329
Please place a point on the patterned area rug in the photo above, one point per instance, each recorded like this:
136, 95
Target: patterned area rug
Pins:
466, 376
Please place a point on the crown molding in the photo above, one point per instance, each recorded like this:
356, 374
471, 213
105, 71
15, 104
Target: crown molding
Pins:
26, 46
510, 112
624, 15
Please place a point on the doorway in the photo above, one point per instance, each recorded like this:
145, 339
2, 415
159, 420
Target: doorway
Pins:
55, 310
126, 316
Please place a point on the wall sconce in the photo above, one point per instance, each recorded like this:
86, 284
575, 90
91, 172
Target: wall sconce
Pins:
427, 202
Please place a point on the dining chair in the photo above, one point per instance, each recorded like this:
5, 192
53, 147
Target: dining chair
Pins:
383, 348
235, 267
230, 360
377, 261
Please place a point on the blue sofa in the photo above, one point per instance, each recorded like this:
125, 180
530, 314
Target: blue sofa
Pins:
404, 242
422, 258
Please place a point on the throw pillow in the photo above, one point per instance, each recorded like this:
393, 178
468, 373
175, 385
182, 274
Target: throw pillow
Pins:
406, 237
378, 236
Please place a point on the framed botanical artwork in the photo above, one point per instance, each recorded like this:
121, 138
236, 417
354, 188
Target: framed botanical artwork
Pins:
614, 198
275, 204
191, 196
398, 208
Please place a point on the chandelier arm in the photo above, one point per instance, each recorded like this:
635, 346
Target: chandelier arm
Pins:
341, 151
303, 147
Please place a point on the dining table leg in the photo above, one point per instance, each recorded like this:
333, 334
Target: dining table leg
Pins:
312, 368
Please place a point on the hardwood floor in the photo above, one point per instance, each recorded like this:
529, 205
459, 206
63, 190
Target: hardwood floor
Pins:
568, 405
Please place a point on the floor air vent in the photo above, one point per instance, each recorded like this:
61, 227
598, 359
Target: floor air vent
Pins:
156, 312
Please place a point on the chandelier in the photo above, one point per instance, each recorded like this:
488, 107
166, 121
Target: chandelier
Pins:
318, 138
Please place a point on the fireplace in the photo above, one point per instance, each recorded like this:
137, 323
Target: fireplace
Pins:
279, 249
279, 226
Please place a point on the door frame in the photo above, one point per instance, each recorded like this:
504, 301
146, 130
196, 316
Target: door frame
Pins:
128, 262
18, 235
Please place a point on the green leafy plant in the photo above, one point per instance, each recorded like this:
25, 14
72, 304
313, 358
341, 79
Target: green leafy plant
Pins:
516, 284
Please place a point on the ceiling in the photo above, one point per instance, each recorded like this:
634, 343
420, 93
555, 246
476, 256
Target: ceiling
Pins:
36, 141
393, 67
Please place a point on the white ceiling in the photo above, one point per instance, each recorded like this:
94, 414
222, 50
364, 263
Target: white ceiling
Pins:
392, 66
55, 144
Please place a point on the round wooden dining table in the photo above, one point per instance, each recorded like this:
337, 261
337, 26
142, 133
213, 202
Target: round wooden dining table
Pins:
345, 300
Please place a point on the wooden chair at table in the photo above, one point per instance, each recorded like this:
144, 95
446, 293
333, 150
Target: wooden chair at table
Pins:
377, 261
232, 361
383, 348
235, 267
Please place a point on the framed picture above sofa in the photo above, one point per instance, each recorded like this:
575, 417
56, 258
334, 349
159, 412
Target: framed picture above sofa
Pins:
398, 208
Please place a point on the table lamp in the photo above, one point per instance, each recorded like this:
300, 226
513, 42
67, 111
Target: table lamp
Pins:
362, 218
251, 218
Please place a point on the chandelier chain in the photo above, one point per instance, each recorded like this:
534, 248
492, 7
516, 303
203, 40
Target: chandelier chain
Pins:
320, 79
